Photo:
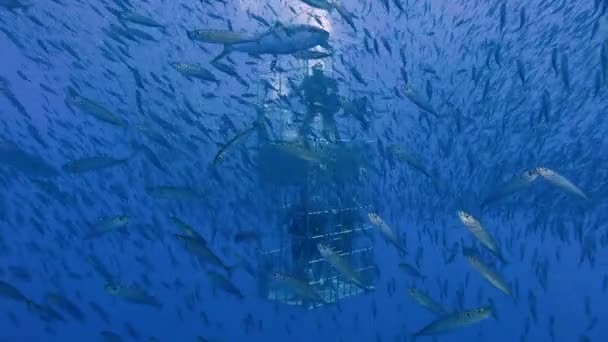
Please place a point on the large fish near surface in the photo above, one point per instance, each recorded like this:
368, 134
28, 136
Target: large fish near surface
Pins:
489, 274
515, 184
454, 321
427, 302
560, 182
386, 231
281, 40
341, 265
480, 233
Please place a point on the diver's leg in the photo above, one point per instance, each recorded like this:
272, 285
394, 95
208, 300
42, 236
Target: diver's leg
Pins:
305, 128
330, 129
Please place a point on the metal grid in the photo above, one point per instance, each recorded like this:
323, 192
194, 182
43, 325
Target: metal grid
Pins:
350, 242
344, 228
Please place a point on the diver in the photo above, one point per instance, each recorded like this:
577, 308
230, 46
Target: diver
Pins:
320, 96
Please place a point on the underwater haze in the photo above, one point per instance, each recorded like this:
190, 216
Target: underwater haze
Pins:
303, 170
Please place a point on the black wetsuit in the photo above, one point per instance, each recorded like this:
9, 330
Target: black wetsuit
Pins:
320, 97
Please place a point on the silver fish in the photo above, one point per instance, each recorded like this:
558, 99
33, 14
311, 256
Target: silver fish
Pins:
480, 233
201, 250
132, 294
489, 274
299, 287
427, 302
561, 182
454, 321
341, 265
93, 108
418, 100
108, 225
515, 184
386, 231
92, 164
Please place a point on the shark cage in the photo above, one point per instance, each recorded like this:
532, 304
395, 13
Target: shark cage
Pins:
323, 201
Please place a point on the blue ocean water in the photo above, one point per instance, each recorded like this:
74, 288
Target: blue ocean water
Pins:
303, 170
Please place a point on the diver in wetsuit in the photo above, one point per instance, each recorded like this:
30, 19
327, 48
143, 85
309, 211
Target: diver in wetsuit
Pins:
320, 95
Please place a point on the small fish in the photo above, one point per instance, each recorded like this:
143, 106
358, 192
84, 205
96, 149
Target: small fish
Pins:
521, 71
489, 274
402, 155
546, 106
411, 270
139, 19
427, 302
22, 161
565, 73
560, 182
341, 265
480, 233
454, 321
91, 107
386, 231
221, 154
554, 60
319, 4
65, 305
13, 4
110, 336
419, 101
172, 192
201, 250
8, 291
132, 294
108, 225
225, 284
247, 236
187, 229
522, 18
230, 71
503, 17
311, 55
191, 70
46, 313
515, 184
299, 287
88, 164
